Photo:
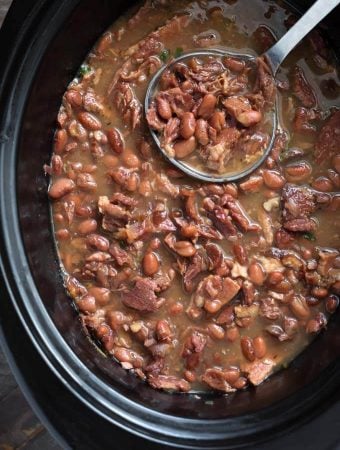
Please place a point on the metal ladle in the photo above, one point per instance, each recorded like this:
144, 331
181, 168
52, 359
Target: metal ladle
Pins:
273, 57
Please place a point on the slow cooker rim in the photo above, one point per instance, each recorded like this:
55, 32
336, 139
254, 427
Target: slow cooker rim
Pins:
27, 301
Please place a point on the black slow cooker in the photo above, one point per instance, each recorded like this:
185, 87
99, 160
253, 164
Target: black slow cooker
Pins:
42, 44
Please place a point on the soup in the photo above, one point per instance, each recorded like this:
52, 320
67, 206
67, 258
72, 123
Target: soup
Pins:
196, 286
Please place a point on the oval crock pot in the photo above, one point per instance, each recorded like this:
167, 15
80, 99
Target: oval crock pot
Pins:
36, 67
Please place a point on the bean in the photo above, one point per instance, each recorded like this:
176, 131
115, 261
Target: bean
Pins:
207, 106
163, 108
217, 121
298, 171
184, 248
247, 348
227, 316
87, 226
77, 131
130, 159
215, 331
61, 187
336, 163
188, 125
212, 306
176, 308
319, 292
132, 183
163, 330
273, 179
184, 148
63, 234
99, 242
240, 253
189, 376
332, 302
104, 43
323, 184
102, 295
86, 181
89, 121
127, 355
60, 140
275, 278
249, 118
150, 264
87, 304
74, 98
115, 140
240, 383
334, 177
312, 301
231, 375
260, 346
232, 334
110, 161
299, 307
201, 131
233, 64
256, 273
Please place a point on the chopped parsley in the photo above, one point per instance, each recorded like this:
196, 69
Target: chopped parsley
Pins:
165, 54
178, 52
84, 70
309, 236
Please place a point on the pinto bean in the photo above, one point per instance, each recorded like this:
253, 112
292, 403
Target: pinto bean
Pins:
163, 108
87, 226
212, 306
234, 64
216, 331
131, 160
61, 187
260, 346
104, 43
319, 292
188, 125
63, 234
217, 121
275, 278
298, 171
299, 307
232, 334
102, 295
332, 302
249, 118
201, 132
99, 242
87, 304
89, 121
323, 184
115, 140
184, 148
273, 179
256, 273
86, 182
240, 253
247, 347
150, 264
60, 140
74, 98
206, 108
184, 248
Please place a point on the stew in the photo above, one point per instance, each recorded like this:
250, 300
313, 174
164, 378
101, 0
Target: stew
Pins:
191, 285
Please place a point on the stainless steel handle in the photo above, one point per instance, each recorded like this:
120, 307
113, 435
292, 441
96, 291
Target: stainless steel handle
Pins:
278, 52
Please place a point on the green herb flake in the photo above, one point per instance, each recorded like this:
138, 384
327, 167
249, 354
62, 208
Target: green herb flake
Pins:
309, 236
84, 70
178, 52
165, 54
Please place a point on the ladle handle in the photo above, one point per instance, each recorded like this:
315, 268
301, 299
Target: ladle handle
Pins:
278, 52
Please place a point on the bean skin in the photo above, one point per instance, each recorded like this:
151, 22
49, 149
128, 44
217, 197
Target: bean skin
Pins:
188, 125
299, 307
61, 187
163, 108
273, 179
89, 121
150, 264
323, 184
60, 141
87, 226
63, 234
256, 273
249, 118
216, 331
201, 132
184, 148
207, 107
98, 242
115, 140
233, 64
87, 304
184, 248
101, 295
247, 348
332, 302
259, 347
74, 98
217, 121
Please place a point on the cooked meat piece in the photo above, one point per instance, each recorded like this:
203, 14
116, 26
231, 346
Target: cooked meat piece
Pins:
302, 89
216, 379
258, 371
328, 141
142, 296
168, 382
